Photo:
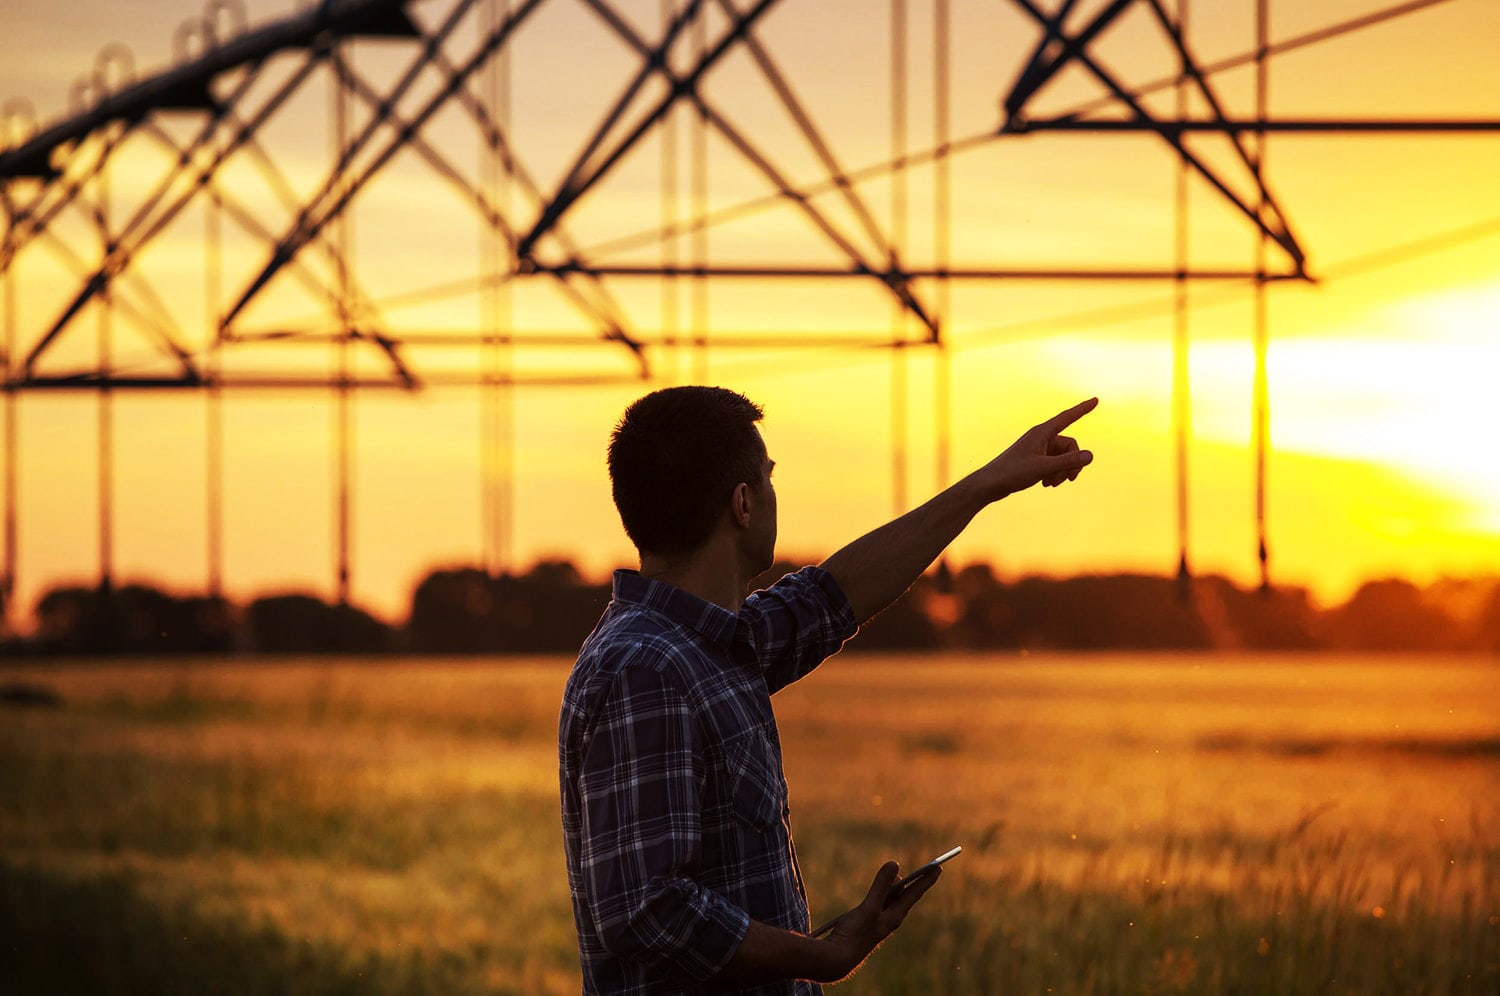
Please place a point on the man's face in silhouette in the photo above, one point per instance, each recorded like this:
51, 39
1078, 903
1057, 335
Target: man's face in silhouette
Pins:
761, 538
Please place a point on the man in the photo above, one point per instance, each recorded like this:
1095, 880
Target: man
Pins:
675, 822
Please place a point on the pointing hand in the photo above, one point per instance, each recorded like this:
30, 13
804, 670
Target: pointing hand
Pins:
1041, 454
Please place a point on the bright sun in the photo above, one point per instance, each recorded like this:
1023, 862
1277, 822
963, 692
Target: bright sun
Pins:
1411, 389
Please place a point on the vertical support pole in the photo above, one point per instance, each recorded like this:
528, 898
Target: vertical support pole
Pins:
942, 242
343, 423
214, 421
899, 389
496, 430
1182, 407
8, 608
119, 58
1261, 399
489, 334
343, 430
105, 360
506, 428
669, 287
700, 212
942, 236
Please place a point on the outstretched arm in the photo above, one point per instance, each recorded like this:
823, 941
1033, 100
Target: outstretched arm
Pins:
876, 568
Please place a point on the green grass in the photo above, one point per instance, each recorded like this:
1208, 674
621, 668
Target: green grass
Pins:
99, 934
1129, 827
1022, 931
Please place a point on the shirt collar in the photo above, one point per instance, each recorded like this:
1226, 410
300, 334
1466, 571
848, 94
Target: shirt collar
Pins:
713, 622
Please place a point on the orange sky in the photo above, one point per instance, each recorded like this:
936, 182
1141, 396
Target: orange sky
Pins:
1381, 377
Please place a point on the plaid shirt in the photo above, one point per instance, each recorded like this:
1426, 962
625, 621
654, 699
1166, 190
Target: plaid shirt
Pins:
674, 805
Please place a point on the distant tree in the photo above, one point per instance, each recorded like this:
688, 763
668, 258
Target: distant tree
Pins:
1389, 614
68, 621
452, 612
134, 619
149, 621
1280, 618
1465, 601
1487, 630
1128, 611
986, 617
301, 623
549, 609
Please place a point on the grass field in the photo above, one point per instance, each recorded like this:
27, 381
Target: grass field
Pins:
1130, 824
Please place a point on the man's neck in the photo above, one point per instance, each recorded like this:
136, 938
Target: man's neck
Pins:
711, 574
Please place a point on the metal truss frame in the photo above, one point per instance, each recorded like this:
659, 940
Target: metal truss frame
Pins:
64, 170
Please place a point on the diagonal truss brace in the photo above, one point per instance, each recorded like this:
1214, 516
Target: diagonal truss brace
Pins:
583, 176
339, 190
1074, 48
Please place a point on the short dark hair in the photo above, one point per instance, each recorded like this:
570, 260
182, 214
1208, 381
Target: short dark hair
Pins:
675, 458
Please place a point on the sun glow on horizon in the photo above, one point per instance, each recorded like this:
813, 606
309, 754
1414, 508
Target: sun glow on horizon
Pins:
1415, 392
1405, 385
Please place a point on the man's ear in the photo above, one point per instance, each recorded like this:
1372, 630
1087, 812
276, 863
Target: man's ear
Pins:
739, 505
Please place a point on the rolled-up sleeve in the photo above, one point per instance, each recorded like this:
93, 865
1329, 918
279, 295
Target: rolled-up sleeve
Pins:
797, 623
640, 788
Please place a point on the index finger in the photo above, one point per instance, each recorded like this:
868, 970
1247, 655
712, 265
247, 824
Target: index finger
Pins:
1062, 420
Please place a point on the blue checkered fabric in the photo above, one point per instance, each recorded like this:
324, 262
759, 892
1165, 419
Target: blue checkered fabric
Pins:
674, 805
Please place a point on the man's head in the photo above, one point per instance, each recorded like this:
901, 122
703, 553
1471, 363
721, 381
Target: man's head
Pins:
675, 461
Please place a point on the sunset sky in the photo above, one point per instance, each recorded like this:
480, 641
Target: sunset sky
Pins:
1382, 375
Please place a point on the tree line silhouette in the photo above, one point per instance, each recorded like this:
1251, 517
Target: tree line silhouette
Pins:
550, 607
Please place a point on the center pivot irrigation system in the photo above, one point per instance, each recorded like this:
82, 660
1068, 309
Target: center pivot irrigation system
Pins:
272, 210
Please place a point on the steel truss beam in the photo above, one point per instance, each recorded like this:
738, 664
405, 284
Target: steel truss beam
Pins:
39, 194
1286, 126
906, 275
187, 87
